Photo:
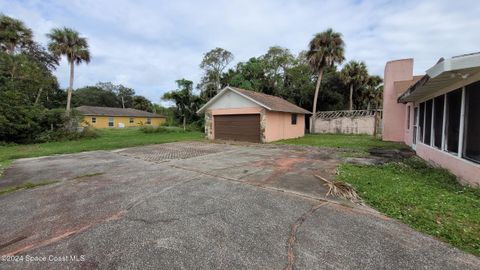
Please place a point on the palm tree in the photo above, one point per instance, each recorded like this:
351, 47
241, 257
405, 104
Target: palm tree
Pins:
354, 74
326, 49
375, 92
13, 34
67, 42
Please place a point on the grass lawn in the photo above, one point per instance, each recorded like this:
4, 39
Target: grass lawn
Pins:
428, 199
107, 139
354, 142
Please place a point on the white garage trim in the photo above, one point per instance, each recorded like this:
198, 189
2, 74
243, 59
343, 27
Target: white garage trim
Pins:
222, 93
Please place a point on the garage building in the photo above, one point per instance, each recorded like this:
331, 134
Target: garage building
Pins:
243, 115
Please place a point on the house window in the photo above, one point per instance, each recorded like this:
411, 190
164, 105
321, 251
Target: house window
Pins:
471, 141
428, 122
149, 121
294, 118
131, 120
454, 104
408, 117
94, 120
421, 120
111, 122
438, 121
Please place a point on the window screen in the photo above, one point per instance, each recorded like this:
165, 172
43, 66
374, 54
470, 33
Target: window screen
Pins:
421, 120
415, 124
438, 120
428, 122
110, 122
408, 117
454, 103
471, 149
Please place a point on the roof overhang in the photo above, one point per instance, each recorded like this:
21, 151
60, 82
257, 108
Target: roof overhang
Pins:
224, 90
443, 74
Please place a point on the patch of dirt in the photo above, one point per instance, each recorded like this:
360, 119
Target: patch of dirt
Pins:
391, 154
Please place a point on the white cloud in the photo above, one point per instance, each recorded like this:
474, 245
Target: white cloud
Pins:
147, 45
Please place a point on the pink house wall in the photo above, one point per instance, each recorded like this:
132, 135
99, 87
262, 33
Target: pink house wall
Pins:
279, 126
393, 112
467, 172
396, 126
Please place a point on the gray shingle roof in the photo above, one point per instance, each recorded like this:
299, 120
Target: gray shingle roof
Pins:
109, 111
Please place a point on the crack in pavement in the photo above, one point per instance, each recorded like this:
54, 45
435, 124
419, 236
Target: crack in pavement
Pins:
347, 207
169, 220
154, 193
293, 234
13, 241
116, 216
155, 221
289, 192
66, 234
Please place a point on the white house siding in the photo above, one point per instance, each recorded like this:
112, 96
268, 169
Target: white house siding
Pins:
232, 100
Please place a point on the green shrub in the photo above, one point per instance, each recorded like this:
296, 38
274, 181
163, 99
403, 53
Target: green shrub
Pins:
166, 124
66, 135
30, 124
88, 132
198, 125
148, 129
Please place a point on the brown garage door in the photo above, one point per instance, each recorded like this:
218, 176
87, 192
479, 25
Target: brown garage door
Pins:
241, 127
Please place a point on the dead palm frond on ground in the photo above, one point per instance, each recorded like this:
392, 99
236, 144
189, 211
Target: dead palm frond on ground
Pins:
341, 190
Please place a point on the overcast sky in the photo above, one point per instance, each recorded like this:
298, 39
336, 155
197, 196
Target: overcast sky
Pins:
147, 45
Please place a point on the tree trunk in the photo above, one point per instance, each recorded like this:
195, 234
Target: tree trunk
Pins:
315, 98
184, 122
218, 83
38, 95
351, 97
70, 88
123, 103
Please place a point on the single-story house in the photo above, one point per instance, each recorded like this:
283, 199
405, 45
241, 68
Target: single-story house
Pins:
437, 114
243, 115
108, 117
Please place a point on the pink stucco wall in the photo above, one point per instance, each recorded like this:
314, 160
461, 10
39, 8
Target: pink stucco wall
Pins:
279, 126
467, 172
393, 112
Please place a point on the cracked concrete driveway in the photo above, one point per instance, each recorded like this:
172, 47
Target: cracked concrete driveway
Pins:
196, 205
